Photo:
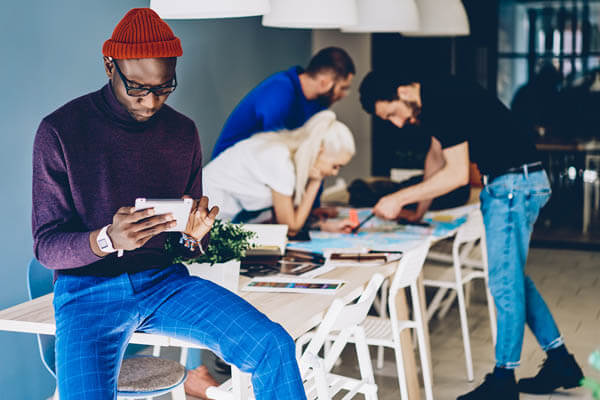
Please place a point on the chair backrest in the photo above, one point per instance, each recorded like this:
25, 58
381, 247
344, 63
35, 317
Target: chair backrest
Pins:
40, 283
469, 232
343, 318
409, 268
472, 229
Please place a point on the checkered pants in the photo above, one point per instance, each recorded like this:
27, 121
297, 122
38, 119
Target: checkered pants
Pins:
96, 316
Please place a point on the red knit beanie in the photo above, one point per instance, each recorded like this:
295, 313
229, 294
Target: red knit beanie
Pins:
142, 34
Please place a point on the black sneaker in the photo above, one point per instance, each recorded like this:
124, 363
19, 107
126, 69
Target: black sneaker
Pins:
493, 388
556, 372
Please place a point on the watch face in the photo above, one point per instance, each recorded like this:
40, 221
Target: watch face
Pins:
102, 243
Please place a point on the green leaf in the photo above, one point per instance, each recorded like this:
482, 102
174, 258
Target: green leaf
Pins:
227, 242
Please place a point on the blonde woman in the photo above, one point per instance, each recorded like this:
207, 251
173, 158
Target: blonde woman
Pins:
282, 170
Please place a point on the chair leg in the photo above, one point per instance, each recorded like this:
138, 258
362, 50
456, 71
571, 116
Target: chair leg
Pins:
314, 368
321, 381
241, 382
423, 355
155, 353
435, 302
362, 353
178, 393
400, 369
183, 356
383, 314
327, 349
468, 290
447, 304
465, 331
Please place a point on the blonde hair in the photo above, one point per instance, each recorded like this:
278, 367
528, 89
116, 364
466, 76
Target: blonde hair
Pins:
321, 132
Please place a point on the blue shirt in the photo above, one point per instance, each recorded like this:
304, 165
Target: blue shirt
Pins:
276, 103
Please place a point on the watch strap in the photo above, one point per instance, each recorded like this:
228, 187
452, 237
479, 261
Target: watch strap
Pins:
104, 242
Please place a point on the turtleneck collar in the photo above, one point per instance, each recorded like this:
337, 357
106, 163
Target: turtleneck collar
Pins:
118, 114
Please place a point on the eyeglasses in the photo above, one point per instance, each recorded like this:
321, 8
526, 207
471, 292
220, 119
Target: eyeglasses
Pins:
135, 90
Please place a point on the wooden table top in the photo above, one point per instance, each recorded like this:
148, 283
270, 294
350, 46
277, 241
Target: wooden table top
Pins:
296, 312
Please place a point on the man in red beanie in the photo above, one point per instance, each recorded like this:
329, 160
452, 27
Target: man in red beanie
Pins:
92, 158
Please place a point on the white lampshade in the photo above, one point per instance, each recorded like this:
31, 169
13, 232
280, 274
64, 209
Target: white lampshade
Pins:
192, 9
385, 16
311, 14
441, 18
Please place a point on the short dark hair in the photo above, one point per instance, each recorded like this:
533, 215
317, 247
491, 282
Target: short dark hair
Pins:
383, 85
331, 59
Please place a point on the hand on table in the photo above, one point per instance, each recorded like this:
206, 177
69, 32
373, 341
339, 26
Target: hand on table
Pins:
131, 229
388, 207
338, 225
411, 216
201, 218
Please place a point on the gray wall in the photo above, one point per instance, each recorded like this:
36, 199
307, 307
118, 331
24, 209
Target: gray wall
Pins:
50, 55
349, 110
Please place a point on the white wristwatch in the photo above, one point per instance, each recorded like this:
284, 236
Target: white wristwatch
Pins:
104, 242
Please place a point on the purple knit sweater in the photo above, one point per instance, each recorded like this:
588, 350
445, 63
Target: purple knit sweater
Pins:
90, 157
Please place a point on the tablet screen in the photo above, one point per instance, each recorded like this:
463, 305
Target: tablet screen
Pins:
180, 208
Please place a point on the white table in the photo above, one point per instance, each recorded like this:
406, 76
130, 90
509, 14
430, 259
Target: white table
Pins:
297, 313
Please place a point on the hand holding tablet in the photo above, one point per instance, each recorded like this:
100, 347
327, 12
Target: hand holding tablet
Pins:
178, 208
132, 227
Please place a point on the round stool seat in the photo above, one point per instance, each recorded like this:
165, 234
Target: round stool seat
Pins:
149, 374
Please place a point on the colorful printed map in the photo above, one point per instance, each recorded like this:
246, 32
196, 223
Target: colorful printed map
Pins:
379, 234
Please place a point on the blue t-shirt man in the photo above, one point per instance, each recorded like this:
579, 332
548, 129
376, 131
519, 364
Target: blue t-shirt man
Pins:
276, 103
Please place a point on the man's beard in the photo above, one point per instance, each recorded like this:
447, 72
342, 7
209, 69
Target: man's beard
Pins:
415, 109
326, 99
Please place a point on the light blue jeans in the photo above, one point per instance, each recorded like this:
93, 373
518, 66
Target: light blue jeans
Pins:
95, 317
510, 205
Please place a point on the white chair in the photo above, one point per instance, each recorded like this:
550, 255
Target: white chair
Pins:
465, 268
319, 382
385, 332
342, 324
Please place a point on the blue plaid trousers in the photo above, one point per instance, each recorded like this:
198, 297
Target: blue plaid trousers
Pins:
96, 316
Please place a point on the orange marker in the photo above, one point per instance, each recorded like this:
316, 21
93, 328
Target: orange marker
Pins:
353, 216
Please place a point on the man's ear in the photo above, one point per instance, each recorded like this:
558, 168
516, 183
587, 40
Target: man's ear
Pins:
326, 82
109, 67
403, 92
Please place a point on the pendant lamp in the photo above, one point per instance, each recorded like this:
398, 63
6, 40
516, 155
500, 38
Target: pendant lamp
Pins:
311, 14
441, 18
196, 9
385, 16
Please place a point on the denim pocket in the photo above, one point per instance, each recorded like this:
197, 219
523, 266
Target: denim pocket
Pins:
499, 190
537, 194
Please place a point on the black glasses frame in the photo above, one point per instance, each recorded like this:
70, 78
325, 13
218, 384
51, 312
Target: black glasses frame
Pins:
160, 90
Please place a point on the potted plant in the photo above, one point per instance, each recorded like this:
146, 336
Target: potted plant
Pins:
220, 262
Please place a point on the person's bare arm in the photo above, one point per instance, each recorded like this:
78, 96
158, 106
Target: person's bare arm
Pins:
295, 217
453, 174
434, 161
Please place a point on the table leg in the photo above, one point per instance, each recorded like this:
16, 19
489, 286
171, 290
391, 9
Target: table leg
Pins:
241, 382
423, 305
408, 354
410, 362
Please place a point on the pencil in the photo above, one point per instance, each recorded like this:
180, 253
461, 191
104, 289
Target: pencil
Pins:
364, 221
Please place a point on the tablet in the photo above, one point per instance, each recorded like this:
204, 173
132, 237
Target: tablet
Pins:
180, 208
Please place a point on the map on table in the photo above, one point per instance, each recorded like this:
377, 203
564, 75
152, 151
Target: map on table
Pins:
378, 234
